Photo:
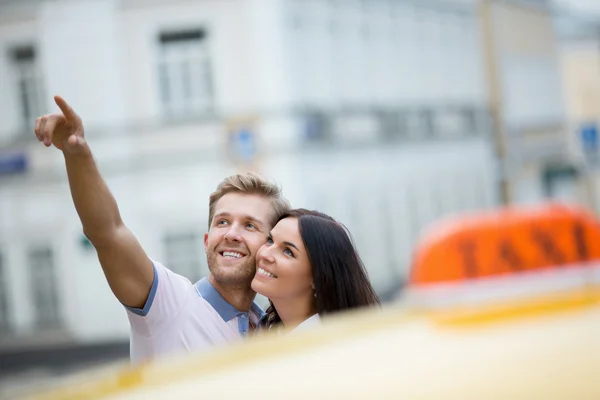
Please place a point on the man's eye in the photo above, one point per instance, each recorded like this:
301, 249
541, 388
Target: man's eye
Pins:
269, 241
251, 226
222, 222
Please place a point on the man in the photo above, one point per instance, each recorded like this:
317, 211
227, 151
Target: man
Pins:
168, 314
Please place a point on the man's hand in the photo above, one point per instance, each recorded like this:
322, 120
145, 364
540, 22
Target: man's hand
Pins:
64, 131
127, 268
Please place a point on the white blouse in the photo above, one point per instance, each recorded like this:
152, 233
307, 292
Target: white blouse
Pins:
308, 323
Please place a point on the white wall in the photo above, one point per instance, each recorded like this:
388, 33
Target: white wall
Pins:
528, 66
413, 53
583, 8
416, 55
109, 48
17, 32
81, 57
527, 93
232, 50
580, 63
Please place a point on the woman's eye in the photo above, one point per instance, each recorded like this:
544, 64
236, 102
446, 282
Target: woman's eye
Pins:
288, 252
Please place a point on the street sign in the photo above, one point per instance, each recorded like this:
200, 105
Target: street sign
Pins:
12, 163
589, 142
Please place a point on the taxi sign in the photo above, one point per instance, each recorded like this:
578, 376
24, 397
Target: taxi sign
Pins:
506, 241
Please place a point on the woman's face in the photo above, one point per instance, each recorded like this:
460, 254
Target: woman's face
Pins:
282, 266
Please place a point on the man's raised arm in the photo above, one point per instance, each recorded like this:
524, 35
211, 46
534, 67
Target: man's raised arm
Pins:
128, 269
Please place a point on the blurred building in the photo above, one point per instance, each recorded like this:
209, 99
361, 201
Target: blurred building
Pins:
377, 112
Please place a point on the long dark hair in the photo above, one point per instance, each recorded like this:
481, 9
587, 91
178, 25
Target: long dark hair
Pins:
340, 279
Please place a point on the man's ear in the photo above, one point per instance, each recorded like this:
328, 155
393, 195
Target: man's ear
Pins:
205, 242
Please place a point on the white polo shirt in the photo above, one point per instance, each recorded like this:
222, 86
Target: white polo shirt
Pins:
180, 317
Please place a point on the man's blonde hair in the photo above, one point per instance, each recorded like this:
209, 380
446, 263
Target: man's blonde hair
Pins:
250, 183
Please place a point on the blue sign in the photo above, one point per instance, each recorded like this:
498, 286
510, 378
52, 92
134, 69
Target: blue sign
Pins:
314, 128
589, 137
12, 163
589, 142
244, 146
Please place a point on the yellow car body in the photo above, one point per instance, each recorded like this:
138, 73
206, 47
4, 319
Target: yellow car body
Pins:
541, 346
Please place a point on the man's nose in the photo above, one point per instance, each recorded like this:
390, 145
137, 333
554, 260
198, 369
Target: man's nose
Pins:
234, 233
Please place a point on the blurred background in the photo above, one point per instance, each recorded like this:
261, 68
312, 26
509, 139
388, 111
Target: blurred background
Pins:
386, 114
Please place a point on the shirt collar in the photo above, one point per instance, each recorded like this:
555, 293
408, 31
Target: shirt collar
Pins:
310, 321
221, 306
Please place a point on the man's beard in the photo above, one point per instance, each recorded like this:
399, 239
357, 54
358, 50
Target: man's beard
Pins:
238, 277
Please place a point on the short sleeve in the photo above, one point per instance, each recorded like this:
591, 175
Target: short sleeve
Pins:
168, 295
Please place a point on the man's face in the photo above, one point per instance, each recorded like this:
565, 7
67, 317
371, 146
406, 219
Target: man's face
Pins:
238, 229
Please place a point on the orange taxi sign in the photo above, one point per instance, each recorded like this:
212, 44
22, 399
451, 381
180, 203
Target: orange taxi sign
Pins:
506, 241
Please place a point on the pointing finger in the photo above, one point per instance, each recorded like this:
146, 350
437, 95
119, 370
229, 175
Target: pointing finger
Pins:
66, 109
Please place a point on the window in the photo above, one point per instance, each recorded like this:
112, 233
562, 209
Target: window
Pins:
29, 83
184, 73
43, 288
4, 317
184, 255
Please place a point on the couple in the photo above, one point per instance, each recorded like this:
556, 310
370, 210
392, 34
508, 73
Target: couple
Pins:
302, 261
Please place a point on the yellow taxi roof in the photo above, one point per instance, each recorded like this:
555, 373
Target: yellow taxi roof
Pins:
541, 345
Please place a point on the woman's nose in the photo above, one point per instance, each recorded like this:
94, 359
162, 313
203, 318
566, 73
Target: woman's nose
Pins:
265, 253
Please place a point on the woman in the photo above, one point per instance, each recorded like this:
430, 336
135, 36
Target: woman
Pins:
309, 268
